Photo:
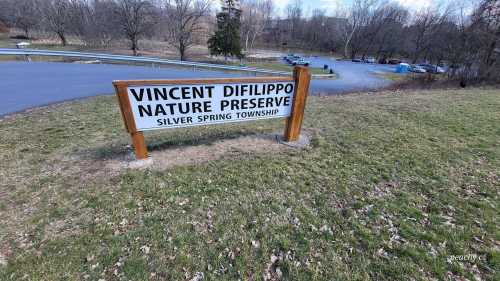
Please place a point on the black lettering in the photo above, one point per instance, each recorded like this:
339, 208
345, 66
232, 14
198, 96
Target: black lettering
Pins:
244, 89
160, 110
279, 88
207, 106
143, 110
270, 88
256, 91
278, 101
159, 93
185, 92
224, 104
287, 101
138, 97
226, 91
184, 110
289, 88
171, 93
197, 107
210, 90
261, 102
269, 102
198, 92
234, 105
244, 104
253, 104
171, 107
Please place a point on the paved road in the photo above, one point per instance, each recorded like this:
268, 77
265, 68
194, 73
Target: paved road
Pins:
25, 85
352, 76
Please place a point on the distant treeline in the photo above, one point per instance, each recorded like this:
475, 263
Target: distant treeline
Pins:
464, 38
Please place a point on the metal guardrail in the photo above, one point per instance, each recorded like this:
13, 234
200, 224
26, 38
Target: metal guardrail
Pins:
152, 60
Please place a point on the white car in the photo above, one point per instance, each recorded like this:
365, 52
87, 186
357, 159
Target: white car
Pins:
370, 60
417, 69
301, 61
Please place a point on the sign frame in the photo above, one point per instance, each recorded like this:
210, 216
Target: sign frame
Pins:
301, 77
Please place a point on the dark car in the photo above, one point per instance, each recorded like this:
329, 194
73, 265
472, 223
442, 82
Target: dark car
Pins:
394, 61
357, 60
434, 69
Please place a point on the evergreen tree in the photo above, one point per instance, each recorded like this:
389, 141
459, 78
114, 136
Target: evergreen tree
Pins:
226, 40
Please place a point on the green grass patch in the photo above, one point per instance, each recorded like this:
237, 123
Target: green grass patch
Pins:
396, 77
394, 187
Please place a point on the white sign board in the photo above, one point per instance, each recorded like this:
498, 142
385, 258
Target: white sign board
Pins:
172, 106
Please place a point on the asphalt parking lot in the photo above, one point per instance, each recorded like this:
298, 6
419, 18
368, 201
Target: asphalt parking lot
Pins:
25, 85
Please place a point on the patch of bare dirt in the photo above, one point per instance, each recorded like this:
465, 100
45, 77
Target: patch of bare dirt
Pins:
192, 155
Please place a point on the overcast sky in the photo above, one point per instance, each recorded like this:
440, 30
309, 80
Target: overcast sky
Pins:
331, 5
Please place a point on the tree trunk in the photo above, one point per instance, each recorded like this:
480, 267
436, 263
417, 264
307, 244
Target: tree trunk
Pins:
348, 41
64, 41
134, 46
182, 51
416, 57
253, 40
354, 52
246, 40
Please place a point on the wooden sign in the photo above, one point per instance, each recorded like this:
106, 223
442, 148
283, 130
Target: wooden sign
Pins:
162, 104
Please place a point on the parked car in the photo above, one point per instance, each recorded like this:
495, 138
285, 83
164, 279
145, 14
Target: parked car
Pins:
356, 60
369, 60
301, 61
289, 57
434, 69
383, 61
22, 45
394, 61
292, 58
417, 69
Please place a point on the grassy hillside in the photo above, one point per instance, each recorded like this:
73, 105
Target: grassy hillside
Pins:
395, 186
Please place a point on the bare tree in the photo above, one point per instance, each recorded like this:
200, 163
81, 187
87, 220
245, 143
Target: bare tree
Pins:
424, 29
183, 21
255, 17
294, 13
486, 28
136, 18
383, 22
5, 10
24, 14
57, 16
94, 22
357, 19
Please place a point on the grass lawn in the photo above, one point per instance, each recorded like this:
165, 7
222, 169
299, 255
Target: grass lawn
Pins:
395, 186
396, 77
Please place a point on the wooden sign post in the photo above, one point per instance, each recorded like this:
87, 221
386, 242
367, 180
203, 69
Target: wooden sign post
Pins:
302, 78
161, 104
